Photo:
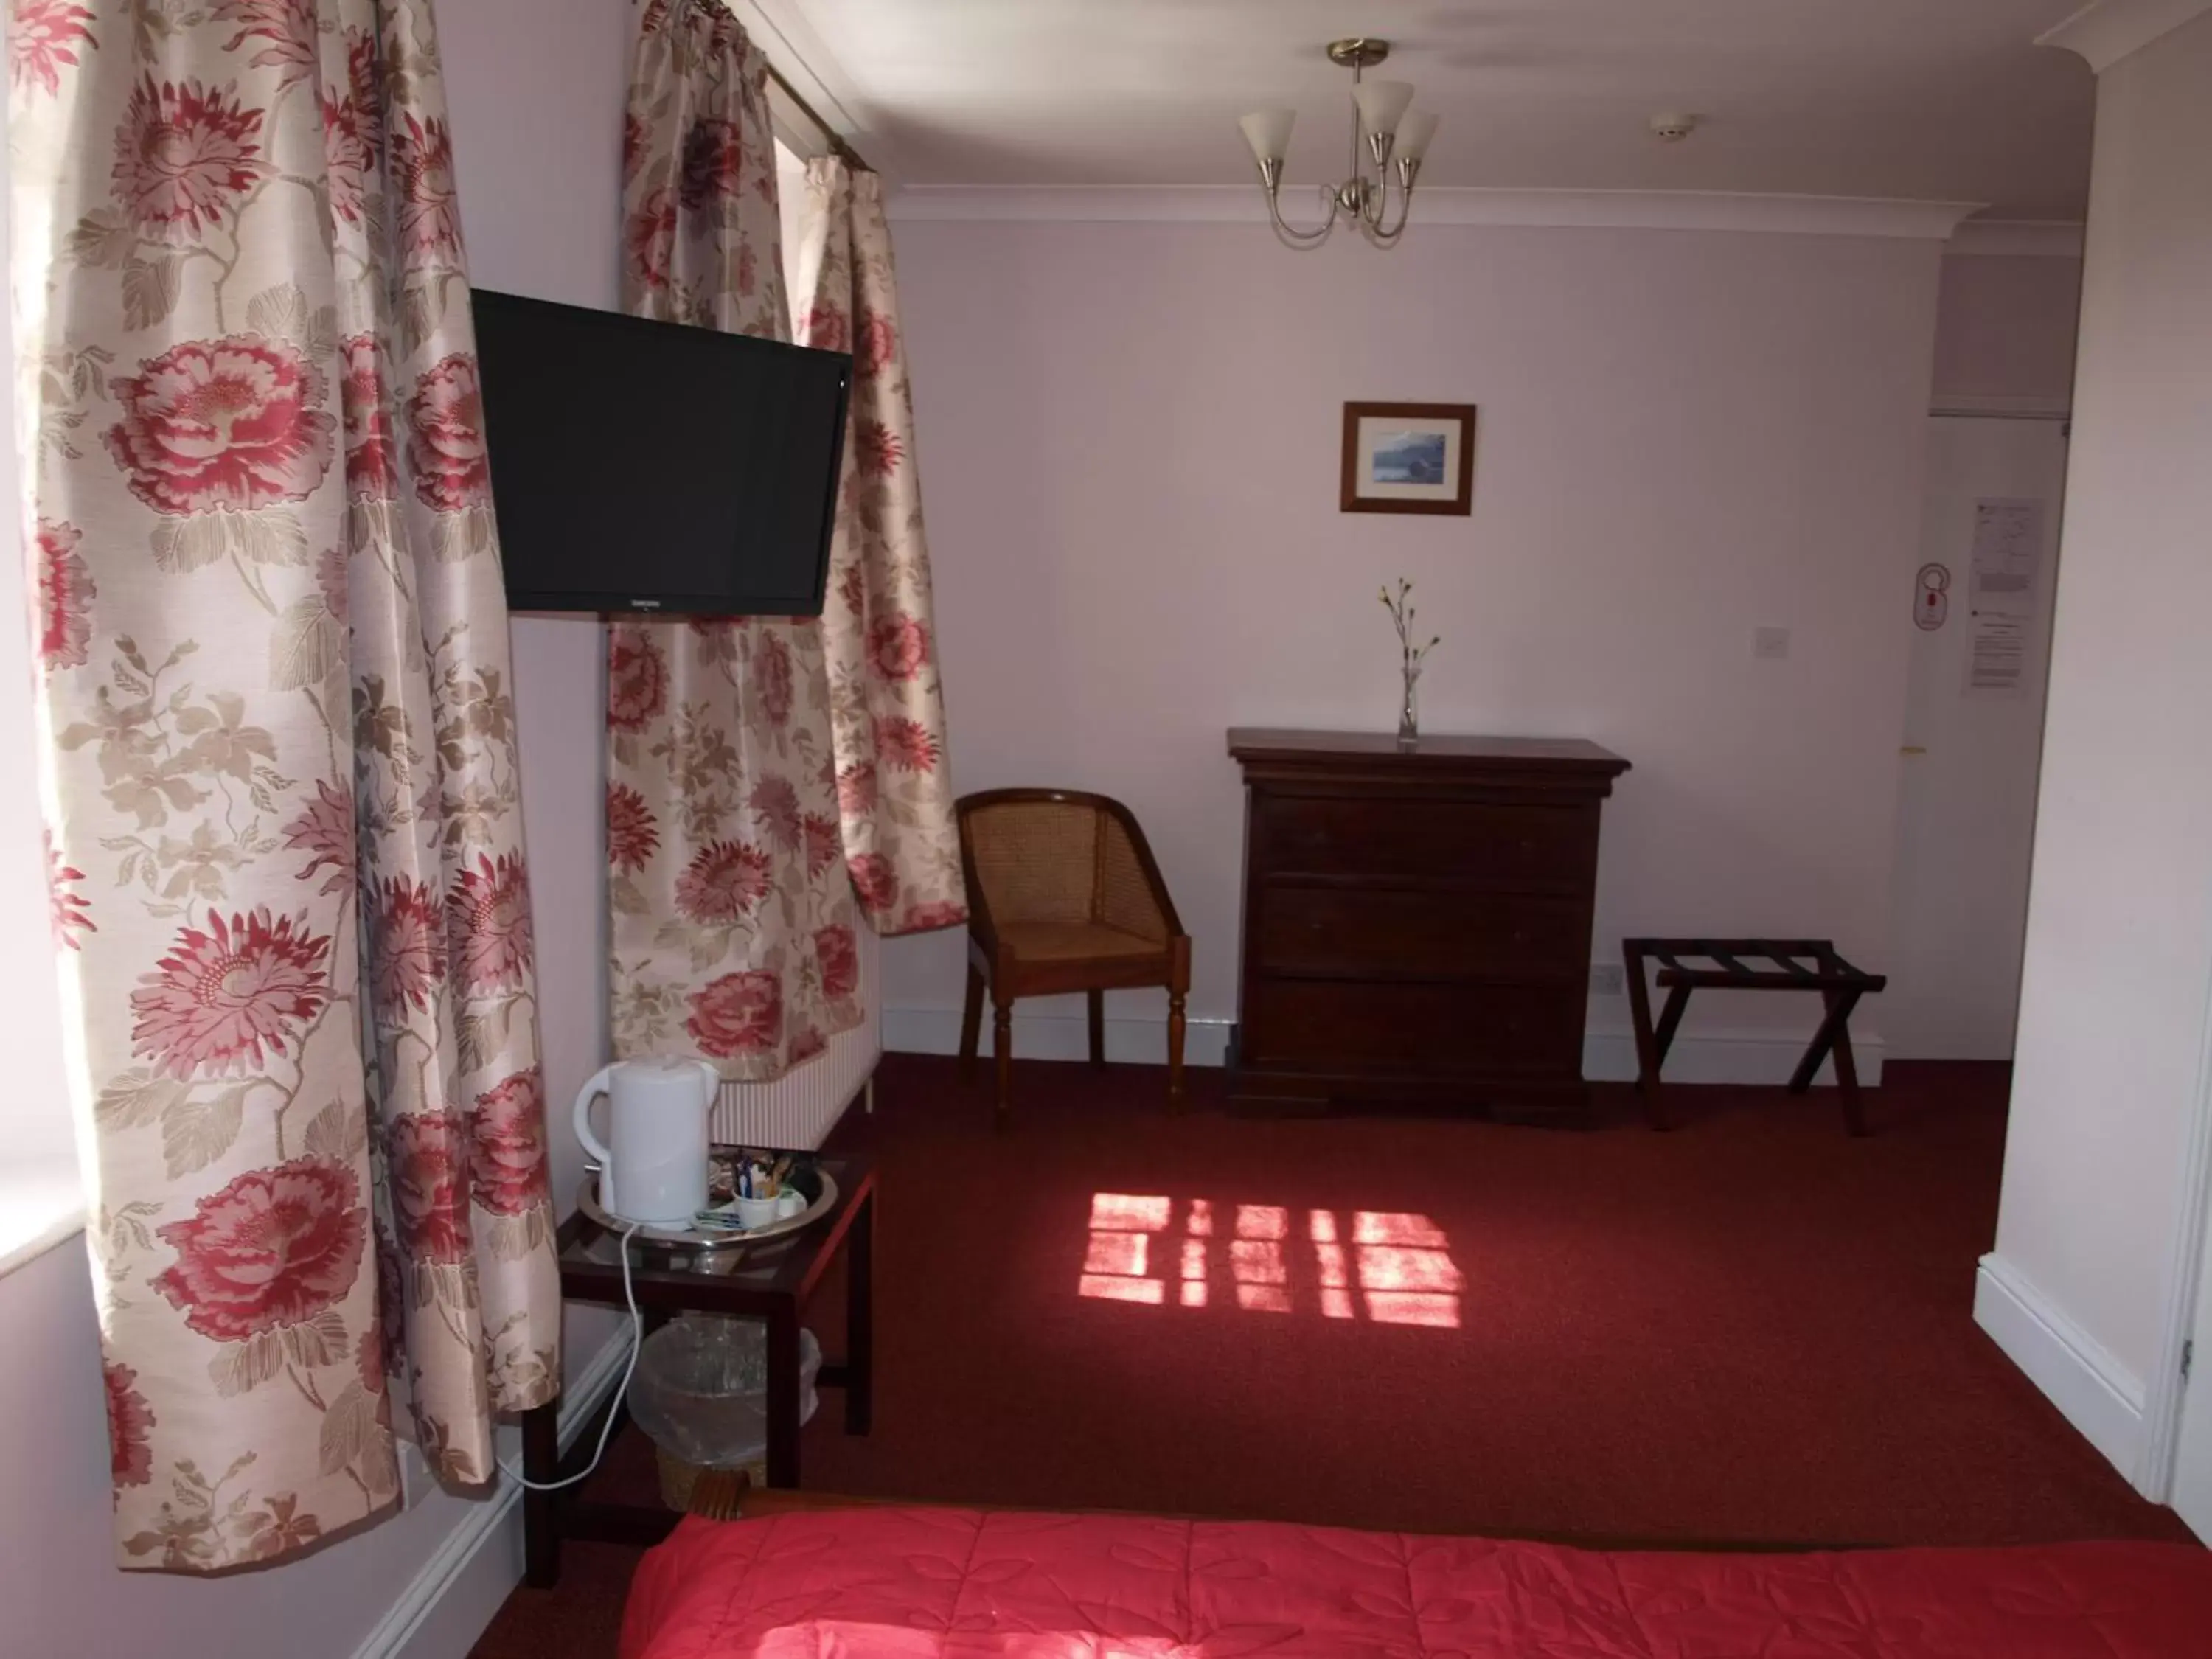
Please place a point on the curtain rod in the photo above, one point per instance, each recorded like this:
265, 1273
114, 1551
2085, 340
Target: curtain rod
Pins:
845, 152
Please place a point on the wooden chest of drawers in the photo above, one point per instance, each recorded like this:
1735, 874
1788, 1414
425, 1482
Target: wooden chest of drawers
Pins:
1417, 922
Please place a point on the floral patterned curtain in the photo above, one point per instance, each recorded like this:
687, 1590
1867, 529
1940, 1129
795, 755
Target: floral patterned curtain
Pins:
730, 921
279, 763
886, 704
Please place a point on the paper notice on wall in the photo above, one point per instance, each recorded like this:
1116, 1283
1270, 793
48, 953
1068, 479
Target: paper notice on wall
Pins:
2002, 593
1996, 660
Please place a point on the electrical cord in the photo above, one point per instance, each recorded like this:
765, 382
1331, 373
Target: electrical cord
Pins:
622, 1389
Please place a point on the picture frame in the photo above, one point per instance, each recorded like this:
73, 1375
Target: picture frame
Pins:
1409, 457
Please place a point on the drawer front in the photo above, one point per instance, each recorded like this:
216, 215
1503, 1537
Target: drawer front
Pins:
1436, 1030
1396, 934
1477, 843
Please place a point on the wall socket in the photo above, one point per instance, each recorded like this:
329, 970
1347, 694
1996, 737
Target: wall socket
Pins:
1608, 979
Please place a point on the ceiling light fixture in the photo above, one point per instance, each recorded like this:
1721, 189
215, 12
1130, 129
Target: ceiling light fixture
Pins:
1379, 115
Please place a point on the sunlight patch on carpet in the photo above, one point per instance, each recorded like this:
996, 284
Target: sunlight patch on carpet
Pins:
1389, 1266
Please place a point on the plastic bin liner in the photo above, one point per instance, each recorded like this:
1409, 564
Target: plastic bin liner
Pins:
701, 1391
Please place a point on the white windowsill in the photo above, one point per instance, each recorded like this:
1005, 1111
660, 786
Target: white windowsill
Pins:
41, 1204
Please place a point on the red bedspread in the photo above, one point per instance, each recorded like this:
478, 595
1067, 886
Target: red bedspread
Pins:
943, 1583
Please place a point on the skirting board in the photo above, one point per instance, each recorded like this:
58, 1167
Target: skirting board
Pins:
447, 1605
1608, 1056
2093, 1390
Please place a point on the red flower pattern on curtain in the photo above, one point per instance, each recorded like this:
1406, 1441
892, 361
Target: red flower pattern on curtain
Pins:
721, 762
284, 840
886, 702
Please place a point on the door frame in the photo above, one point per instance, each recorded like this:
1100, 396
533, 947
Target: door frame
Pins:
2185, 1274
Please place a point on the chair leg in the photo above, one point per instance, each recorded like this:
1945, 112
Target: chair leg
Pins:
1097, 1027
1002, 1050
1175, 1051
971, 1023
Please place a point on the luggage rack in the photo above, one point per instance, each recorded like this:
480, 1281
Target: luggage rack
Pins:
1839, 984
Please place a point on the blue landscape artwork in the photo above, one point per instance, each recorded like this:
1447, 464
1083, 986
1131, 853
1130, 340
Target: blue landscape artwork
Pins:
1409, 457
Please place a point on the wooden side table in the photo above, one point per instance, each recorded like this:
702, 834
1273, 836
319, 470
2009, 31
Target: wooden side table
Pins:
772, 1282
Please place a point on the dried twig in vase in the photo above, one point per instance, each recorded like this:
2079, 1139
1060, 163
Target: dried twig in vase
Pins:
1411, 656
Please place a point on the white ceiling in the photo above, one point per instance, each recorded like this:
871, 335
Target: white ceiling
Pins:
1924, 99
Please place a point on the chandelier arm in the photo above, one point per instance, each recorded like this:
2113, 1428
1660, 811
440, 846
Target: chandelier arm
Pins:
1290, 234
1375, 205
1376, 233
1270, 184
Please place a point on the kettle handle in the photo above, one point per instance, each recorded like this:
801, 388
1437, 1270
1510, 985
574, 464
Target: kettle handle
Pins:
713, 1080
592, 1089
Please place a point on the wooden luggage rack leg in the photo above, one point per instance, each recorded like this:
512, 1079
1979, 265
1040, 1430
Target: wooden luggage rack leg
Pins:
1651, 1045
1834, 1036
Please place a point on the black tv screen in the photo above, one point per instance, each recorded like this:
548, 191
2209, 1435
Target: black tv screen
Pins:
645, 466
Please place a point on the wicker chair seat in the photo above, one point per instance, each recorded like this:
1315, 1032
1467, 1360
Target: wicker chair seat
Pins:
1073, 941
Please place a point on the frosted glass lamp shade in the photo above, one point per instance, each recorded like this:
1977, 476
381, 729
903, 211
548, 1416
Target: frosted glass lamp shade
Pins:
1268, 133
1414, 135
1381, 103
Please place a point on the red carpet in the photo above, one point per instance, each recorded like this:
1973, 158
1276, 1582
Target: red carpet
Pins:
1752, 1329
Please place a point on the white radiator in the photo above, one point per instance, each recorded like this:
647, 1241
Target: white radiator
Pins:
799, 1108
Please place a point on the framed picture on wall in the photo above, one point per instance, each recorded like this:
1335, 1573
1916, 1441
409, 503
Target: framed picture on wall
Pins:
1409, 457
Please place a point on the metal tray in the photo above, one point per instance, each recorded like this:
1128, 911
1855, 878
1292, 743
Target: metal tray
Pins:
700, 1238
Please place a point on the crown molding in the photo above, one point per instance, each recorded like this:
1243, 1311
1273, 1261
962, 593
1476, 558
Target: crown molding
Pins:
1630, 210
2104, 31
2041, 239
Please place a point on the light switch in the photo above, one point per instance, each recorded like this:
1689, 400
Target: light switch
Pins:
1770, 644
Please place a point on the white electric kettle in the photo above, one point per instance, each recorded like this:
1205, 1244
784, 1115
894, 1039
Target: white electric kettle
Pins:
653, 1166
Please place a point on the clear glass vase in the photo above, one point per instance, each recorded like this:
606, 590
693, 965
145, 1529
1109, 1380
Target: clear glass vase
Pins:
1409, 718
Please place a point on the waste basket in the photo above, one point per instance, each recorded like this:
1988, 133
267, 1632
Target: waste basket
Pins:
700, 1395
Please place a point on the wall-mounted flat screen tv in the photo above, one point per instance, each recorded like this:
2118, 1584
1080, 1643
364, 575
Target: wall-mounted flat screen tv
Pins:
658, 467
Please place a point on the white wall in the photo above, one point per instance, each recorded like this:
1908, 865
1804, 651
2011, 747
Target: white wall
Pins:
535, 87
2004, 329
1129, 438
2112, 1029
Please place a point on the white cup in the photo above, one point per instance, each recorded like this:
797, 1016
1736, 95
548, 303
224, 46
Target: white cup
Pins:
756, 1212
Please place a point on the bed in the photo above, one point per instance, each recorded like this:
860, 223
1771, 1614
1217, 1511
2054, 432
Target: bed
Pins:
956, 1583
